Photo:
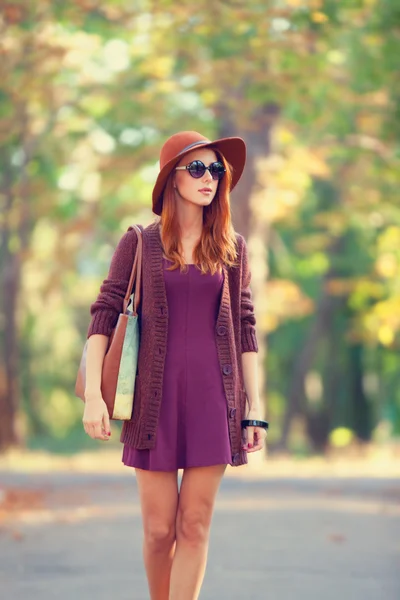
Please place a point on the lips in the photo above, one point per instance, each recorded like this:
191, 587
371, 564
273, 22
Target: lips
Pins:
205, 190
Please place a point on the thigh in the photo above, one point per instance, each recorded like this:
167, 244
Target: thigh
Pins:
158, 492
198, 492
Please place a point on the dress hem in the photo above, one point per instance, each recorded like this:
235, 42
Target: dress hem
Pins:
213, 464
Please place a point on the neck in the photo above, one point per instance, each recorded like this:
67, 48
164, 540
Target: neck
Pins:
190, 219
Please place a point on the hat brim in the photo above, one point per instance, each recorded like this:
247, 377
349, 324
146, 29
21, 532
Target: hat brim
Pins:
233, 149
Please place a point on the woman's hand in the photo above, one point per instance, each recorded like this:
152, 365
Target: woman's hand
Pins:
96, 421
253, 438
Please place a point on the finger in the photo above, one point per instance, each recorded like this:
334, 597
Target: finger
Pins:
95, 431
256, 447
106, 422
260, 433
99, 434
91, 430
259, 438
253, 445
250, 437
244, 439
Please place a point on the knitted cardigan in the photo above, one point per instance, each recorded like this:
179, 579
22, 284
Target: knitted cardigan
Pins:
234, 333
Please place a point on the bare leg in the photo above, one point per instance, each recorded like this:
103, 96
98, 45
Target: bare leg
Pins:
196, 502
159, 494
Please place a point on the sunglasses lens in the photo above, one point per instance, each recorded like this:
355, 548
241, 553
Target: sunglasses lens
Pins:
197, 169
217, 170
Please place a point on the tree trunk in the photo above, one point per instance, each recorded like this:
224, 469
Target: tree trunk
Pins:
10, 287
361, 413
320, 327
258, 143
9, 351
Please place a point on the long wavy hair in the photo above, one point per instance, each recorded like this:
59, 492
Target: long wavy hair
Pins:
217, 243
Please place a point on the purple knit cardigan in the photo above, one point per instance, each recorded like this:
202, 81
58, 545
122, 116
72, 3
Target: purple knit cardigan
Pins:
234, 333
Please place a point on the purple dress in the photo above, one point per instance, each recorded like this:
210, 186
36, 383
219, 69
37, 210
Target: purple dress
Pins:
193, 425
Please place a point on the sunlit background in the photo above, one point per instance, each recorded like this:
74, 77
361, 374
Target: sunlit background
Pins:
89, 93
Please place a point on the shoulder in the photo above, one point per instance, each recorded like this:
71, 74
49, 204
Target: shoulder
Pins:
130, 235
129, 239
239, 239
241, 244
133, 228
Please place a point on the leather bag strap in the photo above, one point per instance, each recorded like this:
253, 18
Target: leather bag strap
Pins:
136, 274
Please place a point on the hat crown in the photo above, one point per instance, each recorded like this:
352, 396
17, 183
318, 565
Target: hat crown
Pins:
179, 142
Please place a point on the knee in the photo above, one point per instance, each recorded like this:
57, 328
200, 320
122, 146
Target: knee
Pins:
193, 527
159, 535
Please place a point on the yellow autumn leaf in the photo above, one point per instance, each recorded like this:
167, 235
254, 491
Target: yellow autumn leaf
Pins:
385, 335
390, 239
341, 436
209, 96
387, 265
319, 17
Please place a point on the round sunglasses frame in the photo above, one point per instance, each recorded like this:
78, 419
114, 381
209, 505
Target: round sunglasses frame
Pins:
217, 162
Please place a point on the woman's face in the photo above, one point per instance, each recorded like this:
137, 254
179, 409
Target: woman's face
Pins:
196, 191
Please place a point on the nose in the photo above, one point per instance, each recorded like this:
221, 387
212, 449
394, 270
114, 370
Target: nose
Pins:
207, 176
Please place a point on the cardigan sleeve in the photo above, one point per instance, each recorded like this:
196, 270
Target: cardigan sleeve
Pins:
110, 300
248, 320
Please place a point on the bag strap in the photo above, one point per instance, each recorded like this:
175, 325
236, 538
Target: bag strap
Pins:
136, 274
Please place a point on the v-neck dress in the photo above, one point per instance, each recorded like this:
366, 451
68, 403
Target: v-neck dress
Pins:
193, 425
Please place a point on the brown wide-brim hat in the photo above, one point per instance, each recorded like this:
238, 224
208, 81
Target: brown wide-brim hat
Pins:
179, 144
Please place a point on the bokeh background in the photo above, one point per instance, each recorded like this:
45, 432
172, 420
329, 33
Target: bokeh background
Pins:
90, 91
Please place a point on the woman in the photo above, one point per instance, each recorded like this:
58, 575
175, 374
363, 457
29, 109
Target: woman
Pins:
197, 366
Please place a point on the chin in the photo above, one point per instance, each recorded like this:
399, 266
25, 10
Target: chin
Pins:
206, 202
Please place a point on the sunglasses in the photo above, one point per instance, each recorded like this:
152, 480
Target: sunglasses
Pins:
197, 169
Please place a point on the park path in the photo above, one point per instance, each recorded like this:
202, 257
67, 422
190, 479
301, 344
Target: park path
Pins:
273, 538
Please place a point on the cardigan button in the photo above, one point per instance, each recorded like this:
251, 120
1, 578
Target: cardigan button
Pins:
227, 369
232, 413
221, 330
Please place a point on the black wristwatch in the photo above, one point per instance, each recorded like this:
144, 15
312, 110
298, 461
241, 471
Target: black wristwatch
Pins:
255, 423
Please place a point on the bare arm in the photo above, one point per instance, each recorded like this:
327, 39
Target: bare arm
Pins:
250, 377
96, 421
96, 350
253, 437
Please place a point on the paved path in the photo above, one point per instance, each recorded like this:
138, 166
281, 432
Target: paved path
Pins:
272, 539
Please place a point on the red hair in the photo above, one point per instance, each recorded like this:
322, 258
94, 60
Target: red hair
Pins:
217, 243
